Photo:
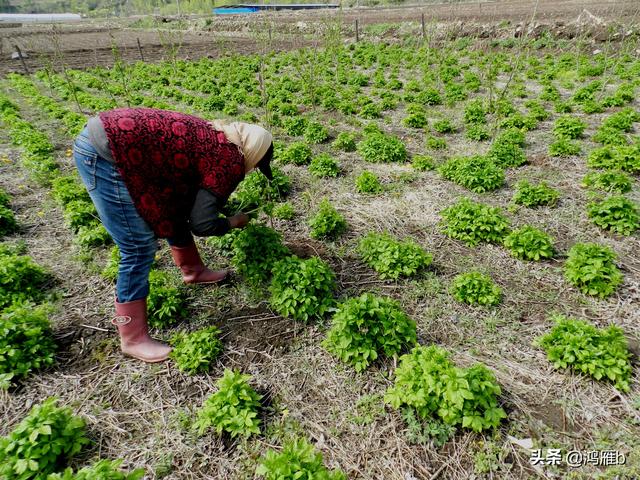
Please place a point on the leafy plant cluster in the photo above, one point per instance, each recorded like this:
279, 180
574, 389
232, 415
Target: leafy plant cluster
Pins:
324, 165
345, 141
255, 251
423, 163
26, 342
591, 268
8, 224
615, 213
256, 190
297, 153
475, 288
476, 173
427, 382
535, 195
195, 352
611, 181
529, 243
623, 157
166, 301
297, 460
474, 222
368, 182
302, 289
21, 279
232, 409
378, 147
507, 149
42, 443
327, 222
367, 327
598, 352
101, 470
392, 258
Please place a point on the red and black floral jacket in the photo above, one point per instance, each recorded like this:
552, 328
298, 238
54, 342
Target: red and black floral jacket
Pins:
165, 157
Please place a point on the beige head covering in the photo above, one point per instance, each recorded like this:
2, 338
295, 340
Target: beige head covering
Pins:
252, 140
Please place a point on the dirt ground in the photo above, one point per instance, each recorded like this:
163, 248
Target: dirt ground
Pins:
93, 42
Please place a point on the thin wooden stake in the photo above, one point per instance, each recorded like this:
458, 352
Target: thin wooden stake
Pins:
24, 64
269, 32
424, 31
357, 31
140, 49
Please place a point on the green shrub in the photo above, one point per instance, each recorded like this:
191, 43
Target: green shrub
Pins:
368, 182
537, 110
91, 236
444, 125
429, 96
423, 163
475, 112
612, 181
473, 222
427, 382
563, 147
478, 133
256, 190
392, 258
302, 289
476, 288
195, 352
21, 279
110, 270
415, 119
622, 120
26, 341
297, 153
42, 442
298, 460
8, 224
166, 302
506, 150
255, 251
569, 127
101, 470
370, 111
324, 165
519, 121
367, 327
435, 143
598, 352
476, 173
284, 211
377, 147
294, 126
533, 196
529, 243
591, 268
233, 409
345, 141
615, 213
327, 222
625, 158
315, 133
609, 136
224, 243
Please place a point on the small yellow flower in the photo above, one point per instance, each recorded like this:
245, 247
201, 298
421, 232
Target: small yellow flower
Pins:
41, 213
69, 152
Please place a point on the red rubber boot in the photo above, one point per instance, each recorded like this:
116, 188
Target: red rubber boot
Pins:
193, 270
131, 320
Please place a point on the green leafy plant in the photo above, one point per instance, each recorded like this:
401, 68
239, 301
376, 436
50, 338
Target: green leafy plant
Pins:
297, 153
392, 258
324, 165
26, 341
435, 143
255, 251
297, 460
368, 182
569, 127
591, 268
616, 213
256, 190
475, 112
345, 141
506, 150
580, 346
284, 211
563, 147
474, 222
223, 244
476, 288
367, 327
21, 279
327, 222
477, 132
101, 470
166, 302
444, 125
302, 289
537, 195
423, 163
529, 243
624, 157
612, 181
233, 409
42, 442
195, 352
315, 133
477, 173
294, 126
427, 382
377, 147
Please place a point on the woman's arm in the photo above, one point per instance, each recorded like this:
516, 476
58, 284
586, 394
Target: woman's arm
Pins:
205, 220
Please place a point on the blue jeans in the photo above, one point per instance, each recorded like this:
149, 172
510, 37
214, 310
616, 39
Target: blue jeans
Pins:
135, 239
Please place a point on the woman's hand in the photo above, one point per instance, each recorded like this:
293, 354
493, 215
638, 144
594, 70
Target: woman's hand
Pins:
239, 220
